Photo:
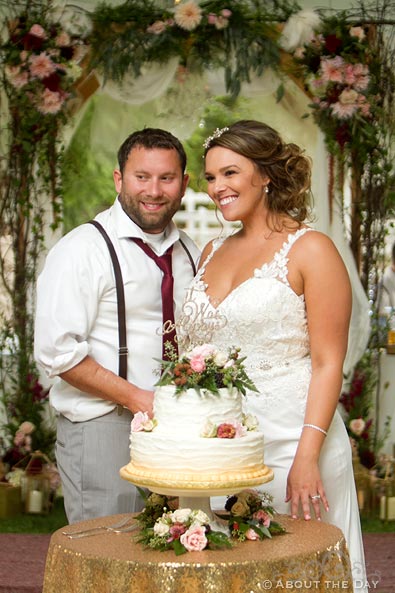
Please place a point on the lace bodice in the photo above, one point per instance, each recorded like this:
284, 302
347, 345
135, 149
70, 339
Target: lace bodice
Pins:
263, 316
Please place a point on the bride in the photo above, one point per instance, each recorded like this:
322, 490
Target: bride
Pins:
286, 297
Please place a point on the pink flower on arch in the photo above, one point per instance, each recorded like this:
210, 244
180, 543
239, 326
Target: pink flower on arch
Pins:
17, 77
19, 438
349, 74
157, 28
27, 427
343, 110
38, 31
357, 426
357, 32
63, 39
332, 69
41, 65
51, 102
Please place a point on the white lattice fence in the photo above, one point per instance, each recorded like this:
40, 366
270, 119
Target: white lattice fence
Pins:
200, 222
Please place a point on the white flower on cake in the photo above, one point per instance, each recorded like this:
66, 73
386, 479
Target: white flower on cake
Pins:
250, 421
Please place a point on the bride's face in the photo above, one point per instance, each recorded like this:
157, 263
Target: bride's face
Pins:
234, 184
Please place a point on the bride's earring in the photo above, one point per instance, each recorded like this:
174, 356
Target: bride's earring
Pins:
266, 189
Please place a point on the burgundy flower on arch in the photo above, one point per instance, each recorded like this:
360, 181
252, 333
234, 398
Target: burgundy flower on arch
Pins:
32, 42
343, 136
332, 43
52, 82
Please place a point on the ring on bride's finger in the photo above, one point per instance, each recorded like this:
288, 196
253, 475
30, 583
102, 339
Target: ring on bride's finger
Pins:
315, 497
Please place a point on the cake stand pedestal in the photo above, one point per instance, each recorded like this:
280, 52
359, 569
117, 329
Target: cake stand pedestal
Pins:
194, 494
198, 500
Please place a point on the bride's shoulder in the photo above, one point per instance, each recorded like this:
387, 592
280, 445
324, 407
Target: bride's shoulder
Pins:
315, 246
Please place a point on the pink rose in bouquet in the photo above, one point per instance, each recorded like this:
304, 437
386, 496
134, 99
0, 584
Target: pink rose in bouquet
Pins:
194, 539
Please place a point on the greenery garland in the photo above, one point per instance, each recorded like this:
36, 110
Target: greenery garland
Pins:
237, 35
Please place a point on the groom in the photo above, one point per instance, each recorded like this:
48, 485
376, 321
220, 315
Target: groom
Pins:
76, 330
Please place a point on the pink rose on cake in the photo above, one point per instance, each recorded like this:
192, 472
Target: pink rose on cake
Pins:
198, 364
230, 429
142, 422
204, 351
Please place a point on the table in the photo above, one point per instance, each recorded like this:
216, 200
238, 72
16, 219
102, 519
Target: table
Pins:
311, 556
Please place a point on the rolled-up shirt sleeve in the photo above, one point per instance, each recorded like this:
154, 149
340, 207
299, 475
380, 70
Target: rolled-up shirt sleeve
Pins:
68, 293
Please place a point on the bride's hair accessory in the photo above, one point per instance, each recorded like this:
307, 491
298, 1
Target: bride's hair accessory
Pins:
216, 134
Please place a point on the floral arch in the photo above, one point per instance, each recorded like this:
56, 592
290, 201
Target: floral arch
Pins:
334, 67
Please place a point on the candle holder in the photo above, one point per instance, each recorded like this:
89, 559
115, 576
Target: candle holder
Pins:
362, 484
36, 485
383, 488
387, 500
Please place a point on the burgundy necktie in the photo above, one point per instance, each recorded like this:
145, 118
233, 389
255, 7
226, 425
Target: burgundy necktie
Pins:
164, 262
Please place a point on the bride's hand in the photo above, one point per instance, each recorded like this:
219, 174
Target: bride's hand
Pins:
305, 489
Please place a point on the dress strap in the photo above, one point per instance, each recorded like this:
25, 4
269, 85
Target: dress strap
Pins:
216, 243
292, 238
281, 259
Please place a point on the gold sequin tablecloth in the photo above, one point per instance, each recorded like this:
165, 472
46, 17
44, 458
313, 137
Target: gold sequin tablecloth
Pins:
311, 556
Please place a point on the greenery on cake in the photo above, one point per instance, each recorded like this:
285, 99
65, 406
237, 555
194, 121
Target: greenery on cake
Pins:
205, 367
165, 527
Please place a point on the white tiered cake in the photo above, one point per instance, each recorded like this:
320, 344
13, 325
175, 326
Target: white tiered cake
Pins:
198, 440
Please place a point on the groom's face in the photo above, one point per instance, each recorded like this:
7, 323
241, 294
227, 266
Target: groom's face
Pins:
151, 187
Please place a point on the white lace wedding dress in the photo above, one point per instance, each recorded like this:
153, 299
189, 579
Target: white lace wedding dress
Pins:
267, 320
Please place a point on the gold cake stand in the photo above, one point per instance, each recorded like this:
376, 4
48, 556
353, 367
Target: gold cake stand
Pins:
194, 490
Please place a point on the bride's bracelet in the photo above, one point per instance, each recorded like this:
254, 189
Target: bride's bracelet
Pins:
315, 428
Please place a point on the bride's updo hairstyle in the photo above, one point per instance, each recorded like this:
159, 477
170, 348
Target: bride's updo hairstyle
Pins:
289, 170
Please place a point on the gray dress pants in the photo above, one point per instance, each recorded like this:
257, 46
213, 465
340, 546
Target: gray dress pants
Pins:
89, 456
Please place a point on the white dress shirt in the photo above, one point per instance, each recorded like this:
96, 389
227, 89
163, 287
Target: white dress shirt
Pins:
76, 312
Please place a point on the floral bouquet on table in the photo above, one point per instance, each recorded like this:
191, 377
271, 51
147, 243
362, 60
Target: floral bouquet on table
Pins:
205, 367
164, 527
251, 516
181, 530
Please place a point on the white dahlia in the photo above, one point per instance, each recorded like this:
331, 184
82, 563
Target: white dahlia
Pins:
188, 15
